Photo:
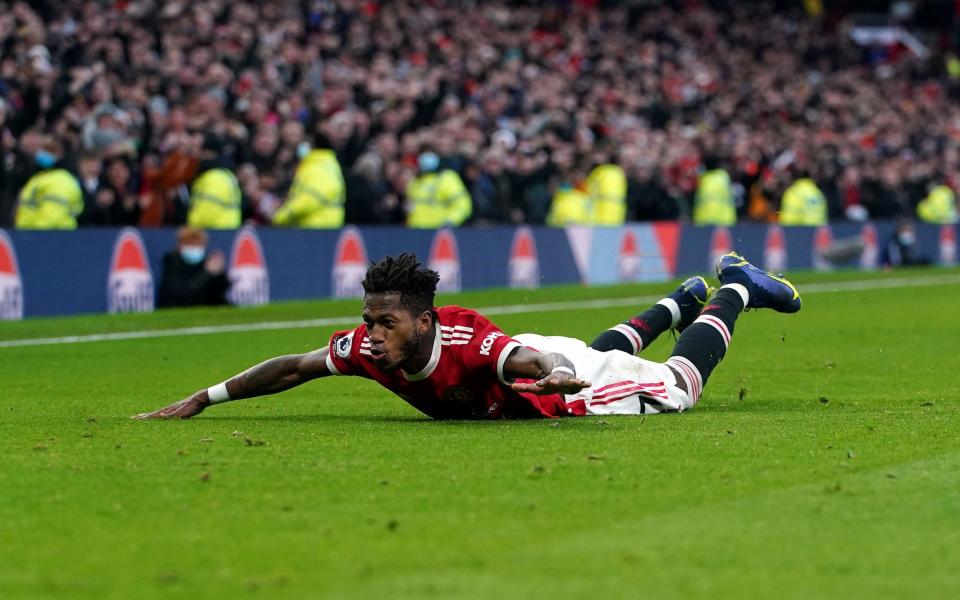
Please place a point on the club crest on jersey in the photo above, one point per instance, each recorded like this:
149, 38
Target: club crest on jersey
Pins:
130, 284
459, 402
775, 250
343, 345
249, 281
720, 243
11, 286
445, 260
349, 264
524, 266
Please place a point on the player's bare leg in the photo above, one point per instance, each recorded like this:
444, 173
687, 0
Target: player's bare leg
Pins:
677, 311
704, 343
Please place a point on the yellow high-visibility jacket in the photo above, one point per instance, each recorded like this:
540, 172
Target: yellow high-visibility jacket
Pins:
570, 206
939, 207
438, 199
803, 204
50, 200
317, 195
215, 201
607, 186
713, 202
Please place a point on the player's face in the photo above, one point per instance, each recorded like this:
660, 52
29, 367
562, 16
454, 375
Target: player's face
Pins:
395, 335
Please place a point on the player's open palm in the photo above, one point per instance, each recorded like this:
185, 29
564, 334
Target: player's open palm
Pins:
184, 409
555, 383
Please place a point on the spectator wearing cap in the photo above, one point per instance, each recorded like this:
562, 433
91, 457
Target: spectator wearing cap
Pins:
317, 195
437, 197
52, 198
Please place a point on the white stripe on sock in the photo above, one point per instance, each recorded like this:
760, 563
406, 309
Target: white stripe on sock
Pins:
632, 336
717, 324
740, 289
674, 309
693, 377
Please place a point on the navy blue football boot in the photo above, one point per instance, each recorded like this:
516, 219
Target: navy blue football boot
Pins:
766, 290
691, 297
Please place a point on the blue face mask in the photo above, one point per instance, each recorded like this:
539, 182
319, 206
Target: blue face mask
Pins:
303, 149
44, 159
192, 255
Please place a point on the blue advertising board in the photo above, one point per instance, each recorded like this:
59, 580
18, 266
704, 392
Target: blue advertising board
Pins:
99, 270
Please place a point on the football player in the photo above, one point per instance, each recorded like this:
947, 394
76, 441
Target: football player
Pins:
453, 363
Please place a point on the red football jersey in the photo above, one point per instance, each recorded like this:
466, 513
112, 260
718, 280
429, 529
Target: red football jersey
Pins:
464, 377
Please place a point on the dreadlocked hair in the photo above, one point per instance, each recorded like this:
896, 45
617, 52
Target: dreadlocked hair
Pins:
403, 275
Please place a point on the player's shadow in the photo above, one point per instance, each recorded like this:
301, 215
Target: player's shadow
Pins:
319, 418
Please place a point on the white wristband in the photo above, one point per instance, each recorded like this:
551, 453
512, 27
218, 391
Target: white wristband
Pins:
218, 393
562, 369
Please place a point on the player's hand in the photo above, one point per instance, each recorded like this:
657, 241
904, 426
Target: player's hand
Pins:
554, 383
184, 409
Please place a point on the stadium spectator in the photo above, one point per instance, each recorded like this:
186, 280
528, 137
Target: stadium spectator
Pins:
570, 206
803, 203
215, 200
9, 182
607, 187
939, 206
757, 86
714, 203
901, 249
437, 195
369, 198
316, 198
52, 198
192, 276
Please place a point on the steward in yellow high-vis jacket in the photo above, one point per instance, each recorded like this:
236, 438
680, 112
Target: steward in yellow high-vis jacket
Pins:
607, 187
570, 206
939, 207
713, 202
51, 199
316, 198
803, 204
215, 200
437, 197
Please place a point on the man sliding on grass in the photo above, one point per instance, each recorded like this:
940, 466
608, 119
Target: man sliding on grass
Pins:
453, 363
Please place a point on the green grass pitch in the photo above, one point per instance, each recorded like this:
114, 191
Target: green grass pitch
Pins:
822, 461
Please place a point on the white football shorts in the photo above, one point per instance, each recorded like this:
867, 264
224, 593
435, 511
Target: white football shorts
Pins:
623, 384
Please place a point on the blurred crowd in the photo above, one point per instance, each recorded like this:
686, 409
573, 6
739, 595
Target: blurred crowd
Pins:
522, 101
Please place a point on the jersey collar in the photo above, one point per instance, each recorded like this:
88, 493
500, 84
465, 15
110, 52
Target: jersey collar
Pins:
434, 357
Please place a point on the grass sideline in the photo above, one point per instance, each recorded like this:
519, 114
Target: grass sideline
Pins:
821, 462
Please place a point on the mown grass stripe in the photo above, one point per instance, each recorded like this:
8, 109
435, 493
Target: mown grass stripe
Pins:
511, 309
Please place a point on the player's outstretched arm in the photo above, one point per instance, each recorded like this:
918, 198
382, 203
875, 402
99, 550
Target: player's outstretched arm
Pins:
554, 372
269, 377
